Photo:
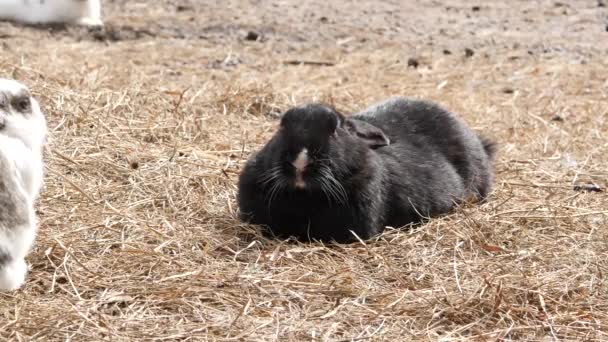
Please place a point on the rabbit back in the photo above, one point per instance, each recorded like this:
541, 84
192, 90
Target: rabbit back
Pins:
423, 133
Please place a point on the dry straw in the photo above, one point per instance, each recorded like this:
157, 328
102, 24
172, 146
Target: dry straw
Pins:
138, 232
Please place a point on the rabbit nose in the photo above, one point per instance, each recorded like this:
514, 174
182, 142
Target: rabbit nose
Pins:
301, 160
300, 164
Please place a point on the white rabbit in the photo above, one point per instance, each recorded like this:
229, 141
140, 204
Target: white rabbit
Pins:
82, 12
22, 135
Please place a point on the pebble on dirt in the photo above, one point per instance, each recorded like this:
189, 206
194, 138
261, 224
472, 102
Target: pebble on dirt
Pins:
412, 62
183, 8
252, 35
468, 52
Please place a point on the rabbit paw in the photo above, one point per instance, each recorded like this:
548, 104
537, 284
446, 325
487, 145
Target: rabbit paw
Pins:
12, 275
90, 22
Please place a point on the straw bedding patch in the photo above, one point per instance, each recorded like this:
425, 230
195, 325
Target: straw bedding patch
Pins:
139, 238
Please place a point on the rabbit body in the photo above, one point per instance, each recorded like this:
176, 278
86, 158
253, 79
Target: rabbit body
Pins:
433, 161
83, 12
393, 164
22, 134
422, 131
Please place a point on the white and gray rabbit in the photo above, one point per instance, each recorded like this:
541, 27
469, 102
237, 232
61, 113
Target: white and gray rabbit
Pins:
81, 12
323, 175
22, 135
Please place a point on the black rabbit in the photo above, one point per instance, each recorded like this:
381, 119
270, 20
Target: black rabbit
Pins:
323, 175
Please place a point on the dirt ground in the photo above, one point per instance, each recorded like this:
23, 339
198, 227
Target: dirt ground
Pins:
152, 118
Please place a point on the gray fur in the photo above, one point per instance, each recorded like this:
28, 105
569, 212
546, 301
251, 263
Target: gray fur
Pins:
14, 205
5, 258
426, 132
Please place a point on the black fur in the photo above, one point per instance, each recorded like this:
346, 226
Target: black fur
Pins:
394, 164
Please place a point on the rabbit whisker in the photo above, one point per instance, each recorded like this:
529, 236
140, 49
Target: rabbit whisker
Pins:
328, 190
338, 191
270, 175
324, 189
276, 188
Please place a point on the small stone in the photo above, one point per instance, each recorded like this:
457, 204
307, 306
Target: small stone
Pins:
183, 8
601, 3
412, 62
589, 187
468, 52
475, 8
447, 52
252, 35
323, 19
557, 118
508, 90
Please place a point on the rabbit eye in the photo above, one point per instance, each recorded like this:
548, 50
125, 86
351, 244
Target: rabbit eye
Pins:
3, 101
22, 104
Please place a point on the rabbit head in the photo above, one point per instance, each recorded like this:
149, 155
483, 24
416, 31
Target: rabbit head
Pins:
316, 147
20, 114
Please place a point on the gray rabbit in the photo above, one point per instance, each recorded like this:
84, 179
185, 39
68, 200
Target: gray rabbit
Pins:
22, 134
323, 175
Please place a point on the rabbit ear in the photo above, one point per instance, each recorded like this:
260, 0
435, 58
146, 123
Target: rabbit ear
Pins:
372, 135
